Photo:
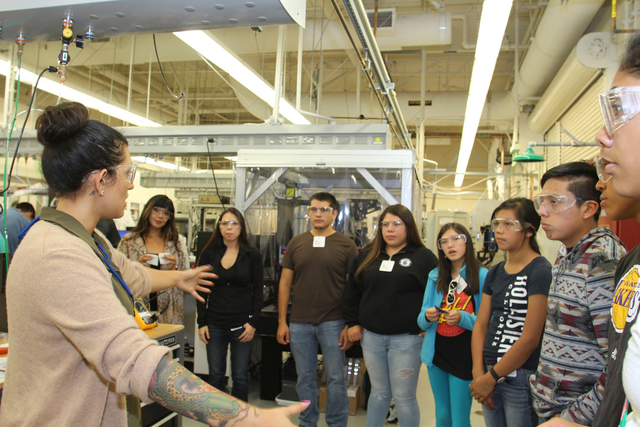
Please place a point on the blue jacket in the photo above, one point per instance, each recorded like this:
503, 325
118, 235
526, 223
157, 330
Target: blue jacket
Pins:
433, 297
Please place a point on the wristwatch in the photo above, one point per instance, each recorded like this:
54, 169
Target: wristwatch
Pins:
494, 374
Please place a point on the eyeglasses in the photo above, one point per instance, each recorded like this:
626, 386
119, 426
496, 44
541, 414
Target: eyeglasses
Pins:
451, 295
129, 172
159, 211
455, 239
322, 209
229, 223
387, 224
618, 106
555, 203
604, 177
507, 224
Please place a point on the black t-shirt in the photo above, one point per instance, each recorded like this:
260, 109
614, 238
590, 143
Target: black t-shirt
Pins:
509, 302
624, 312
453, 343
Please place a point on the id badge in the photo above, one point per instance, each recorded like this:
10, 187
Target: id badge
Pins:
387, 266
318, 241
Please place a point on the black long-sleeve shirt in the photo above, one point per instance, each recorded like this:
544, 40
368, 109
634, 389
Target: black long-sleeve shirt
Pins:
236, 297
388, 303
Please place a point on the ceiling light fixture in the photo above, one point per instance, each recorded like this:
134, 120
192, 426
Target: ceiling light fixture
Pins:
159, 163
493, 22
217, 54
66, 92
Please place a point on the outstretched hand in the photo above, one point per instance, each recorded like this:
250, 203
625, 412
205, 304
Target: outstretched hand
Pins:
192, 281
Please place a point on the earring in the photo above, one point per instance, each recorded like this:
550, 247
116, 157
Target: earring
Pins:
102, 194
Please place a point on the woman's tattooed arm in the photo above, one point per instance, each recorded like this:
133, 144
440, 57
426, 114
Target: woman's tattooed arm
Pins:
177, 389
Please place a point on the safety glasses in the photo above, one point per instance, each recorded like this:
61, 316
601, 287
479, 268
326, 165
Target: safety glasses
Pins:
604, 177
455, 239
507, 224
555, 203
126, 172
618, 106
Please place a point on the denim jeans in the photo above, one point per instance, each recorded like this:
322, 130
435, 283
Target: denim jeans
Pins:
304, 339
452, 398
393, 363
513, 402
219, 340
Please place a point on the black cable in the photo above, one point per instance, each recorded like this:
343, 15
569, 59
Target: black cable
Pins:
24, 125
162, 72
160, 312
214, 174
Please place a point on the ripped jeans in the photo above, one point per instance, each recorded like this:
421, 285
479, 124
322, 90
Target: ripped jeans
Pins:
393, 363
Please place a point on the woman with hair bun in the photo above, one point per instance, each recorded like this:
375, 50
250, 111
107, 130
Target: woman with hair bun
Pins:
156, 235
78, 357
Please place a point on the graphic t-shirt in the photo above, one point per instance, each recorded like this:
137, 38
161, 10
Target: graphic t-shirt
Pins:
453, 343
624, 313
509, 303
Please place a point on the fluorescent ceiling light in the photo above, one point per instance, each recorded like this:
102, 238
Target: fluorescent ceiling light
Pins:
493, 22
214, 52
159, 163
66, 92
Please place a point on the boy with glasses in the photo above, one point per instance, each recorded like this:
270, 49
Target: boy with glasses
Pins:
315, 267
569, 381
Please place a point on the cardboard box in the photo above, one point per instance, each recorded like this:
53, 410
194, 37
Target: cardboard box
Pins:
354, 372
355, 395
322, 403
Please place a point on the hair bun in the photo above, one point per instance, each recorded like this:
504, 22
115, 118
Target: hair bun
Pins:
59, 122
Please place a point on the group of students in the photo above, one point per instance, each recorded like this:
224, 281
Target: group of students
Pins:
528, 340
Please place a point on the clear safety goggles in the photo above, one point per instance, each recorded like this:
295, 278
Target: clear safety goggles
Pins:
126, 172
455, 239
507, 224
618, 106
555, 203
604, 177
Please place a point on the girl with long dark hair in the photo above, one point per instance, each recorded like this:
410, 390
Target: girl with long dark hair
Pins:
505, 342
231, 312
380, 305
156, 243
448, 313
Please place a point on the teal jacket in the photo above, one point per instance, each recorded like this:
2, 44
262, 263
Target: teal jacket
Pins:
433, 297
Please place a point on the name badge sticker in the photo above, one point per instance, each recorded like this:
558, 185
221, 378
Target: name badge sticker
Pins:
319, 241
387, 266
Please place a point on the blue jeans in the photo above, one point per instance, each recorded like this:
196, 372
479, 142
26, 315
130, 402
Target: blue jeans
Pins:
513, 403
452, 397
304, 339
219, 340
393, 363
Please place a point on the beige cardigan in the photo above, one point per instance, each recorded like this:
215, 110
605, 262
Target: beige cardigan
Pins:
73, 349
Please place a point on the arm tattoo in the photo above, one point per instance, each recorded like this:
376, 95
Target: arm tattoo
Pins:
177, 389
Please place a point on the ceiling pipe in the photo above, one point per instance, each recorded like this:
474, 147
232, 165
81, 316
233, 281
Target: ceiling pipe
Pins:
560, 28
358, 15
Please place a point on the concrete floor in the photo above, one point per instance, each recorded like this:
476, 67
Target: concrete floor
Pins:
425, 399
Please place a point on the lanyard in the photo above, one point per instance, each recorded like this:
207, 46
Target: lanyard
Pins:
113, 271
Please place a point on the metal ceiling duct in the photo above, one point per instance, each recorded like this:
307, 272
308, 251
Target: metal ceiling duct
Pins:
41, 20
560, 28
360, 21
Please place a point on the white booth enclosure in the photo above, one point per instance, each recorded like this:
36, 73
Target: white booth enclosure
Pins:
273, 188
